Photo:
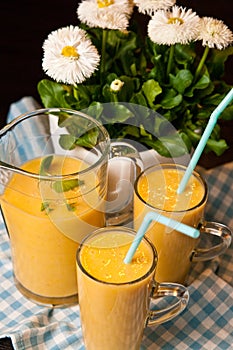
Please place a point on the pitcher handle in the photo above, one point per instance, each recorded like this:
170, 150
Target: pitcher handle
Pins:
209, 228
124, 166
161, 290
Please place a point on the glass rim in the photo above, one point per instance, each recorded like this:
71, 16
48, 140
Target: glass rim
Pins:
129, 231
171, 165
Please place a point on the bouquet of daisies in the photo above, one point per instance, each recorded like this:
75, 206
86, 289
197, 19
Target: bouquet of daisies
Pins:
175, 71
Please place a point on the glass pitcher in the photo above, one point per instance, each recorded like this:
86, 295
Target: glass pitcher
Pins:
53, 191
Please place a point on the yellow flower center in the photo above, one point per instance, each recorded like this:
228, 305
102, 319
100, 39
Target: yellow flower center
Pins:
70, 51
174, 20
104, 3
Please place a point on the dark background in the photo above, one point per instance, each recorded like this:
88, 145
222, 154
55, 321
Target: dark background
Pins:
24, 25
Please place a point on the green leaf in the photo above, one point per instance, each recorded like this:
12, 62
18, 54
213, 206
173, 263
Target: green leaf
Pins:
227, 114
151, 89
45, 165
89, 139
202, 88
170, 99
95, 110
71, 207
108, 95
130, 130
186, 140
128, 89
120, 51
116, 113
110, 77
213, 100
79, 132
66, 185
52, 94
175, 145
67, 141
217, 146
203, 82
139, 99
172, 146
216, 63
82, 95
184, 55
181, 81
45, 206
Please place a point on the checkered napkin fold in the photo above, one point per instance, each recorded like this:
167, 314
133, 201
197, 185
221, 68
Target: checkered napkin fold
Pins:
207, 323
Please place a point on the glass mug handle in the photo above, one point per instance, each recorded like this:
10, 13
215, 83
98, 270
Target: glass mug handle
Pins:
166, 289
208, 230
124, 166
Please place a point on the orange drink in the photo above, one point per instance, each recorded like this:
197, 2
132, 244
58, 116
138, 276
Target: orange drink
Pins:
46, 221
156, 190
53, 187
114, 297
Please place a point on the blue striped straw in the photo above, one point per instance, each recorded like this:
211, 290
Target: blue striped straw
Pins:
151, 216
201, 145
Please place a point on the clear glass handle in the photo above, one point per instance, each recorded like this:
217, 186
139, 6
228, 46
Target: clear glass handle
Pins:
124, 166
217, 238
161, 290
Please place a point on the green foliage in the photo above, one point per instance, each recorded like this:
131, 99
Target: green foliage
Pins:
183, 98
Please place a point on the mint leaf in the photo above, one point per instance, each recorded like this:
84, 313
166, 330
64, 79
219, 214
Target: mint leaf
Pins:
66, 185
67, 141
45, 206
45, 165
71, 207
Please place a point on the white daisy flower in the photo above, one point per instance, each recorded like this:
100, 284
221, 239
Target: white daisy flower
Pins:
177, 25
214, 33
69, 56
150, 6
106, 14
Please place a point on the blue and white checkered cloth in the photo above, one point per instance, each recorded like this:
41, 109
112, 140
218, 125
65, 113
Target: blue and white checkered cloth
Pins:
206, 324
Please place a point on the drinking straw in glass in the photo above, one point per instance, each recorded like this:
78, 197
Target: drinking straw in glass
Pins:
152, 216
201, 145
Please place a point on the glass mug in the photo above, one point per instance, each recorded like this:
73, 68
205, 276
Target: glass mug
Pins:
155, 190
118, 306
53, 189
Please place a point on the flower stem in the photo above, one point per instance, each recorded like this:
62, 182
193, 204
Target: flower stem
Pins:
170, 59
103, 53
201, 63
114, 97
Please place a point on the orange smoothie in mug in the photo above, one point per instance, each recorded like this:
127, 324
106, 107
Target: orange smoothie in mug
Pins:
46, 221
156, 190
114, 297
